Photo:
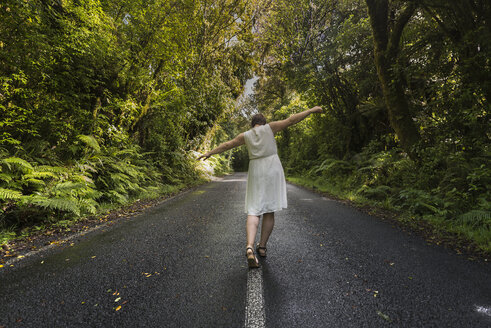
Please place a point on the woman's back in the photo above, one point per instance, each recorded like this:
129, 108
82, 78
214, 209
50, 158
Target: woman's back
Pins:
260, 142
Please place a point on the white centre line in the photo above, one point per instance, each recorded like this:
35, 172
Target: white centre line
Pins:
255, 316
483, 310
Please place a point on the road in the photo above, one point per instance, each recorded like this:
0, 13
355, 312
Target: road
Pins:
182, 264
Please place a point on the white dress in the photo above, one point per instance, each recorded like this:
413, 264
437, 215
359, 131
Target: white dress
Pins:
266, 186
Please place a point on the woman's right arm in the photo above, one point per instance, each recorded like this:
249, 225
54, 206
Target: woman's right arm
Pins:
237, 141
294, 119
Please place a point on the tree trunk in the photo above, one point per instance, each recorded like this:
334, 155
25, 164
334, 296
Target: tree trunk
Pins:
386, 46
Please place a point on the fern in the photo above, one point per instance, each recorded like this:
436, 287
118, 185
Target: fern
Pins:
39, 175
83, 179
90, 141
126, 169
6, 177
86, 167
476, 218
52, 169
61, 204
9, 194
35, 182
88, 205
117, 197
379, 192
125, 152
18, 162
68, 185
119, 178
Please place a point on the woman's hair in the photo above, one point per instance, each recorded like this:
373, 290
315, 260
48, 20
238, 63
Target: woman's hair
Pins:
258, 119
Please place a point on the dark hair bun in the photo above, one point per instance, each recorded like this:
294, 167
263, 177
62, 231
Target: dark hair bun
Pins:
258, 119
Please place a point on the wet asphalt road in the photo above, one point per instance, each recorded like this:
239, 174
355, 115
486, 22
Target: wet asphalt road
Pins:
182, 264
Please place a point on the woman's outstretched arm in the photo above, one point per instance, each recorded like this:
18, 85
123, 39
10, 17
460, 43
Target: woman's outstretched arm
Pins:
294, 119
237, 141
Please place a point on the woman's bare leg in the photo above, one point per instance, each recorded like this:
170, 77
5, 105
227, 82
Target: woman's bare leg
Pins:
266, 228
251, 229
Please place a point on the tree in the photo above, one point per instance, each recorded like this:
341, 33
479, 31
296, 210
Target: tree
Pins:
388, 20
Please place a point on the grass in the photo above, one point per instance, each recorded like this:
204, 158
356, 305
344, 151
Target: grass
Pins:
460, 235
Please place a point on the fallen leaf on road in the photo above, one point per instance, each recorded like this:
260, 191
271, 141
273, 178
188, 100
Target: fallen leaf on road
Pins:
384, 316
118, 299
118, 308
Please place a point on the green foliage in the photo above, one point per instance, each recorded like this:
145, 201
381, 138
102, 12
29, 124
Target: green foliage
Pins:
6, 194
90, 141
61, 204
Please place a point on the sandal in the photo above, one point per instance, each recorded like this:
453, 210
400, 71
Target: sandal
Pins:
260, 248
251, 259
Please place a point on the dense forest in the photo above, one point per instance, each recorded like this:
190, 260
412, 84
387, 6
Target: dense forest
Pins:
103, 102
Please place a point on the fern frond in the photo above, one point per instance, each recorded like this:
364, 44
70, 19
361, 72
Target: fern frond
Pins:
125, 168
89, 193
83, 179
34, 182
90, 141
117, 197
9, 194
53, 169
61, 204
476, 218
6, 177
68, 185
39, 175
88, 205
86, 167
120, 178
127, 152
19, 162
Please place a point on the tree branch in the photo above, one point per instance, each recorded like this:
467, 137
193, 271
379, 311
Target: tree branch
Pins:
395, 36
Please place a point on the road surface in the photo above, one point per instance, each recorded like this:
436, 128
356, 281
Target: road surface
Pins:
182, 264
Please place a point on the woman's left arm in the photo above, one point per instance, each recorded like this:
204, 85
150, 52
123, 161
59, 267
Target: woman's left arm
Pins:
236, 142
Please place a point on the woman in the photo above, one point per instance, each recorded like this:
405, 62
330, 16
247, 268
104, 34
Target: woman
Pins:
266, 186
